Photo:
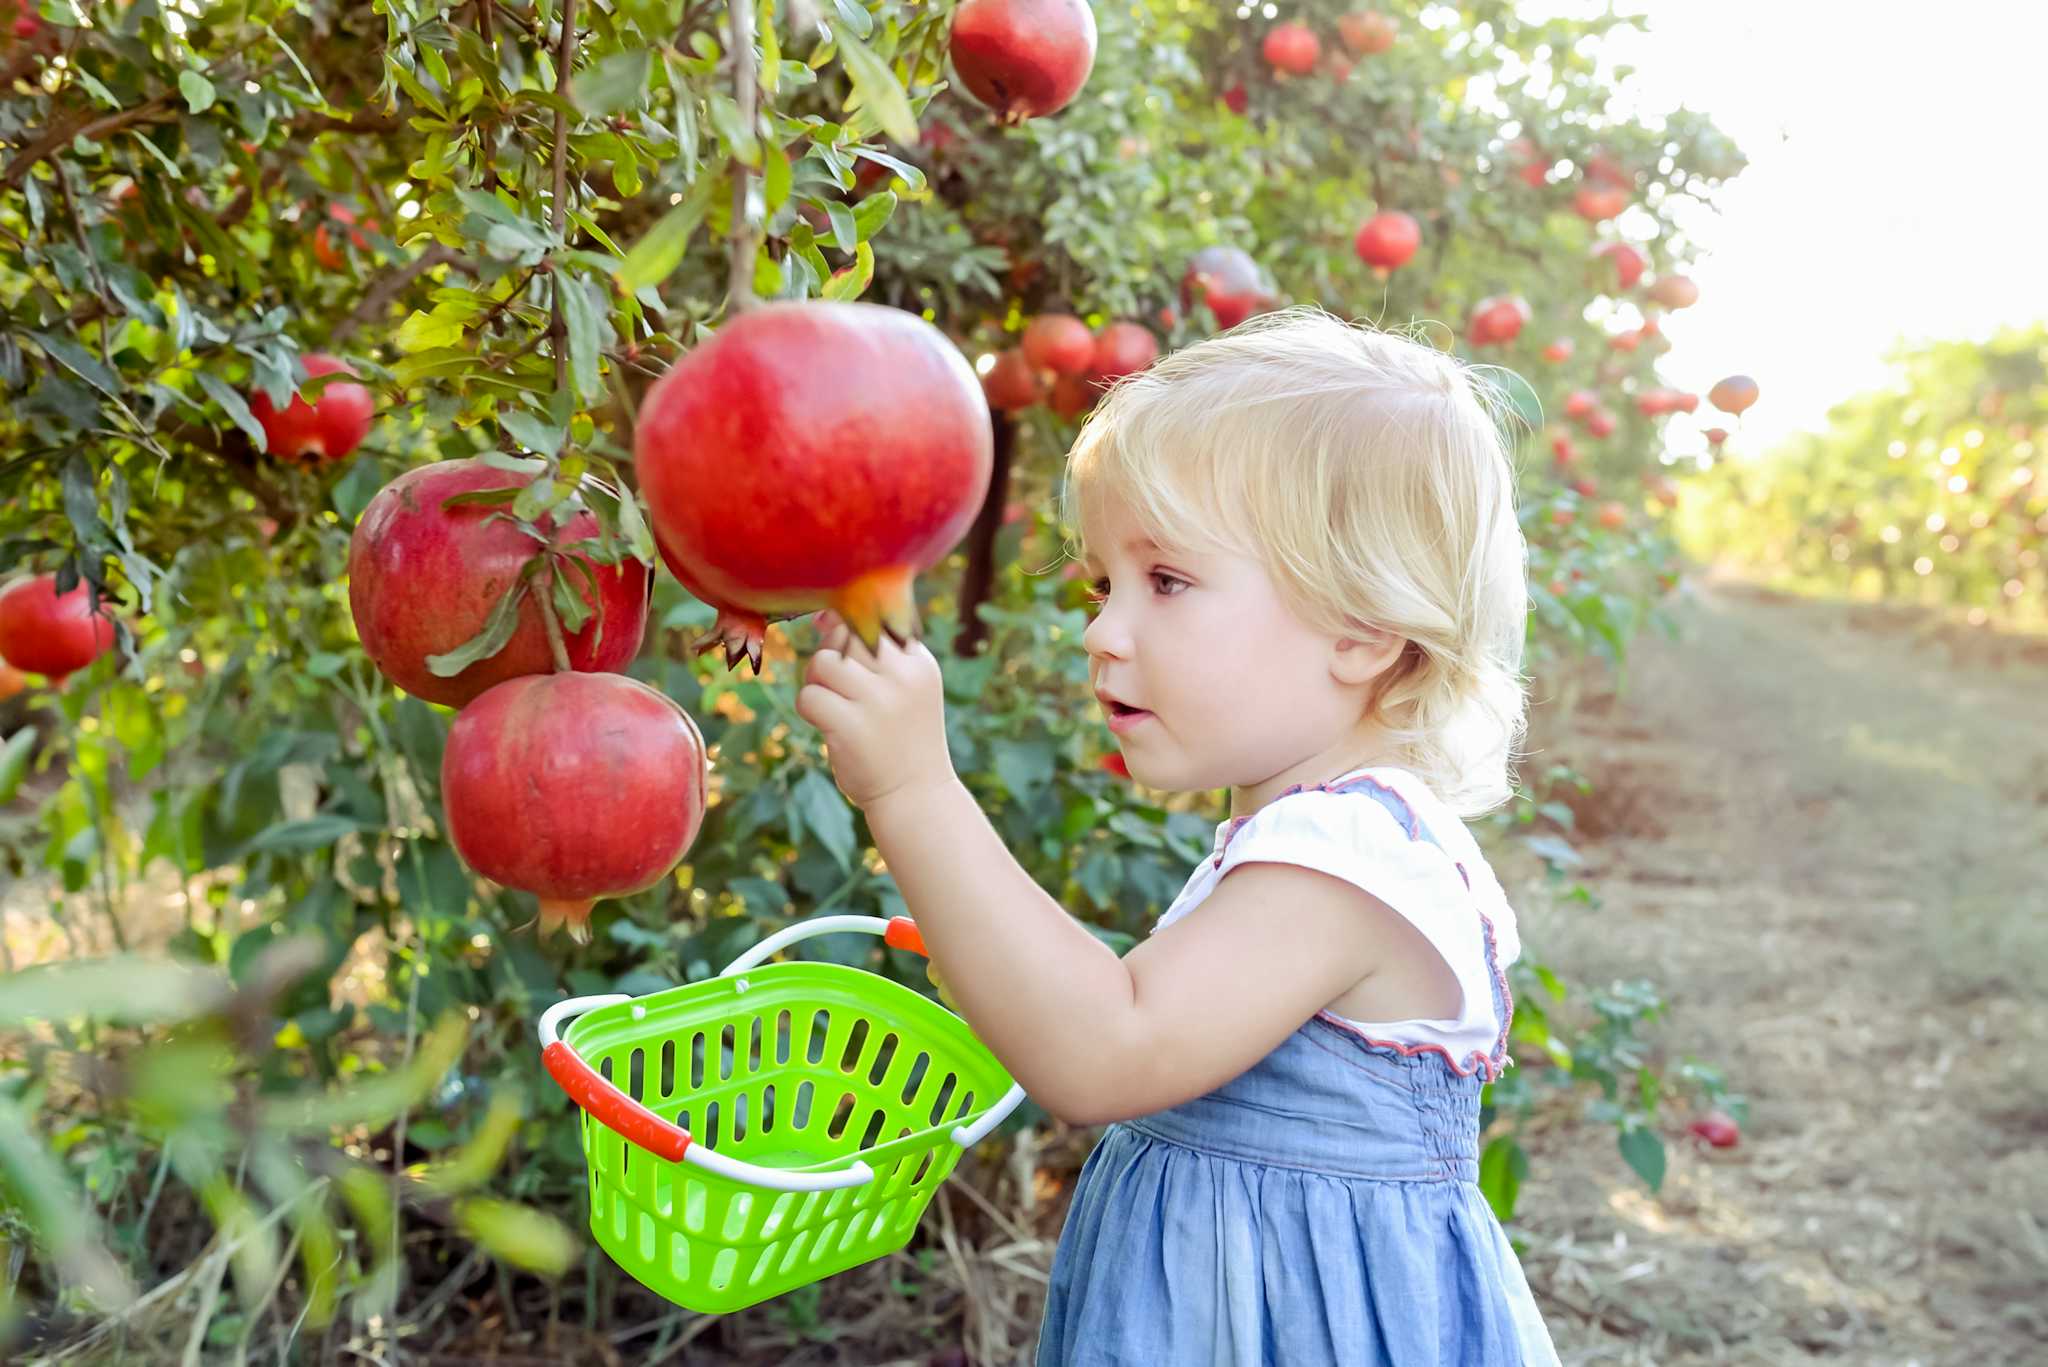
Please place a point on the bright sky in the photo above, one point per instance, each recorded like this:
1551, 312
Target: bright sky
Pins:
1897, 183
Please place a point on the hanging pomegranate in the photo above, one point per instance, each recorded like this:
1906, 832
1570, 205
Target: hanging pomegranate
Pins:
1024, 59
1058, 342
1231, 284
813, 455
1388, 240
1628, 263
1292, 48
424, 577
1674, 291
1122, 349
1498, 319
46, 632
1560, 350
1733, 394
1011, 385
573, 787
1595, 203
1368, 33
327, 429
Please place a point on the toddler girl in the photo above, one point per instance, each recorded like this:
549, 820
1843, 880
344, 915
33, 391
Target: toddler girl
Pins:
1311, 590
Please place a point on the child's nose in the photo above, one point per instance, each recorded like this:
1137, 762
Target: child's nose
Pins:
1107, 635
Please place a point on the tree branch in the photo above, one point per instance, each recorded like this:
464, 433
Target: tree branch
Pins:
388, 287
152, 111
739, 288
558, 215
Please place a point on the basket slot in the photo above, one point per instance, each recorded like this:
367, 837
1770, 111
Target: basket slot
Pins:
966, 1105
841, 1115
709, 1139
795, 1251
800, 1116
856, 1041
723, 1266
696, 1061
884, 1056
739, 1117
668, 1067
768, 1108
945, 1096
604, 1067
924, 1167
783, 1035
821, 1024
737, 1209
636, 1073
874, 1129
725, 1053
918, 1068
754, 1046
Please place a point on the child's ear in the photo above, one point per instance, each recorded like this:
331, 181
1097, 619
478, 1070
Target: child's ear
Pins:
1364, 654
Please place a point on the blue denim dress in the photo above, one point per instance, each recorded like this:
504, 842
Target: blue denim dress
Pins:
1319, 1210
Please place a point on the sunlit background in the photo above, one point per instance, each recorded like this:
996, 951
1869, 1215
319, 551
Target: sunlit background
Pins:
1895, 187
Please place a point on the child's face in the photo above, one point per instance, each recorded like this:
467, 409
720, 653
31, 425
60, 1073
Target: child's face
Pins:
1224, 686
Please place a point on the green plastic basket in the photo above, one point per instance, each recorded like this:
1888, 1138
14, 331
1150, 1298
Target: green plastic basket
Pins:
760, 1130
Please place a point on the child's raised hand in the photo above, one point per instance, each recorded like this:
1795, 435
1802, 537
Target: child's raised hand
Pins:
882, 713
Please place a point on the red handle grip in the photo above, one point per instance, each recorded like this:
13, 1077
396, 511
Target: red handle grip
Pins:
611, 1107
904, 934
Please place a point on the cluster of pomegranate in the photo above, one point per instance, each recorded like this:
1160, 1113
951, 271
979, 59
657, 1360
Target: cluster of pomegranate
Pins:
1059, 362
46, 632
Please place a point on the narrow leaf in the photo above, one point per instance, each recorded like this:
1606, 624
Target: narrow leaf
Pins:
504, 619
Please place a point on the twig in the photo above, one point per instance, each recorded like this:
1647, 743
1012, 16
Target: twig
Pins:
565, 58
150, 111
739, 288
544, 594
388, 287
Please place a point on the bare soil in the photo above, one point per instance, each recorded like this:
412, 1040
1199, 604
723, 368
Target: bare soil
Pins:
1822, 828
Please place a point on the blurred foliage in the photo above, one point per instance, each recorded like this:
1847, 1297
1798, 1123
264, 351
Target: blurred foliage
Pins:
289, 1011
1933, 490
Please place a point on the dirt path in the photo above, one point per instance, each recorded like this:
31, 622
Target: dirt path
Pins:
1824, 830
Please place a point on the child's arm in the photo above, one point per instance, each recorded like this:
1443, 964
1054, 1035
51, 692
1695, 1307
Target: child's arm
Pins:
1092, 1037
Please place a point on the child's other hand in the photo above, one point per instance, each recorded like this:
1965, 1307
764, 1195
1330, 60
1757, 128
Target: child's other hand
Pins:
882, 714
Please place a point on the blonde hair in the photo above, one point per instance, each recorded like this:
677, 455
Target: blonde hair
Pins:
1370, 474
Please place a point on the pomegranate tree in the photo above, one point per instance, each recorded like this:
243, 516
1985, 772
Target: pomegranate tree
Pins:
573, 787
1388, 240
46, 632
326, 429
1231, 284
426, 577
1024, 59
813, 455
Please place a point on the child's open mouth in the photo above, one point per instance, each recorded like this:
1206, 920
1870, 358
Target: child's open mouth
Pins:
1123, 717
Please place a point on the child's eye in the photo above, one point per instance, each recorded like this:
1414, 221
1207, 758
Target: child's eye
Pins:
1166, 585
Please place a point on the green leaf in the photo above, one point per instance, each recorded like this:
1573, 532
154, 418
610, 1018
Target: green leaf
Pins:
852, 282
80, 362
14, 758
61, 1217
517, 1234
845, 230
1024, 766
378, 1100
1644, 1152
775, 180
123, 989
657, 254
303, 837
872, 214
614, 82
530, 432
821, 807
497, 630
234, 405
581, 308
739, 139
877, 89
197, 90
1502, 1167
425, 331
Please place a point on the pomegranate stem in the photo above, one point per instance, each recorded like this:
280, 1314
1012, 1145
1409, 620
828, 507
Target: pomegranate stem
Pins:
545, 596
739, 290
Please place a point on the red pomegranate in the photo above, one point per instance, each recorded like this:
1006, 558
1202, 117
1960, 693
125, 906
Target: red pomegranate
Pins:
1292, 48
1613, 516
1024, 59
50, 633
326, 430
1059, 342
1625, 341
1113, 763
1387, 241
1368, 33
1563, 450
26, 21
1585, 487
1580, 402
1498, 319
1628, 262
1231, 282
573, 787
1600, 423
1717, 1128
1595, 203
1685, 403
325, 249
1122, 349
1733, 394
1674, 291
1603, 169
1011, 385
1715, 436
1071, 396
812, 455
1653, 403
1560, 350
424, 577
1236, 100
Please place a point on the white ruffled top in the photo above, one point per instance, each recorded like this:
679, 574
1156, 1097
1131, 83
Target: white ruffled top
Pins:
1371, 828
